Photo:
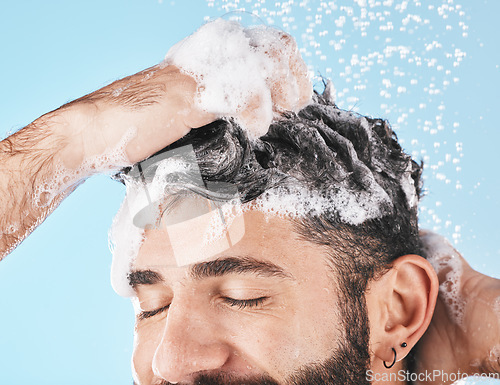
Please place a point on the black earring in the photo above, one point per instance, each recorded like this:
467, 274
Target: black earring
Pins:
393, 361
404, 345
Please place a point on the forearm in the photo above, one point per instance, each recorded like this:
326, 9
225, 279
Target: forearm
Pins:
118, 125
32, 183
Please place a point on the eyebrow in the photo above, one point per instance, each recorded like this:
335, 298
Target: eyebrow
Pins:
143, 277
216, 268
240, 265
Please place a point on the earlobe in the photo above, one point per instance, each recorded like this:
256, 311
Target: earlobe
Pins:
400, 306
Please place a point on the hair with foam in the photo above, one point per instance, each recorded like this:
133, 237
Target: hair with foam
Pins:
342, 178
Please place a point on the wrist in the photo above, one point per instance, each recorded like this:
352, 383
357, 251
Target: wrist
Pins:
68, 125
95, 136
129, 120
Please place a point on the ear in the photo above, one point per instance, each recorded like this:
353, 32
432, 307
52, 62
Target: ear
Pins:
400, 307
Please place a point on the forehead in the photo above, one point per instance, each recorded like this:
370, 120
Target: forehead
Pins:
251, 234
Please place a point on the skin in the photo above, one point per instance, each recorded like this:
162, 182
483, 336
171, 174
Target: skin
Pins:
159, 104
83, 137
204, 331
187, 325
470, 345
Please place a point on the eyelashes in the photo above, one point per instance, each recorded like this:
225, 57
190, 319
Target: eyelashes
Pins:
237, 303
151, 313
245, 303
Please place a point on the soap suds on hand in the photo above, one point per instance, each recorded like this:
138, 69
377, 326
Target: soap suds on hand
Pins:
244, 73
233, 67
249, 74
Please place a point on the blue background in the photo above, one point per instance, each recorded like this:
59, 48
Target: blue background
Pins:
60, 321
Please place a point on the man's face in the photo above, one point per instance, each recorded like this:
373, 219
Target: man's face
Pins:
263, 310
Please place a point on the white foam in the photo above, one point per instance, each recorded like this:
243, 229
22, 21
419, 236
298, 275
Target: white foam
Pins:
495, 353
444, 258
491, 362
220, 224
297, 202
408, 186
289, 202
232, 68
330, 92
125, 239
126, 236
64, 179
245, 73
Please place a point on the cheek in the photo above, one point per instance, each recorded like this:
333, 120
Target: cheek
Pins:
315, 330
147, 338
266, 343
280, 343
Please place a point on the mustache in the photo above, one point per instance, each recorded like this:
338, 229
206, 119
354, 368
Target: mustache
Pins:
223, 379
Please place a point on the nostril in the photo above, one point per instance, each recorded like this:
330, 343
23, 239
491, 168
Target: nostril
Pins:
179, 360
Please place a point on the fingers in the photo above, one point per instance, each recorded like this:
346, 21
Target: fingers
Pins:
246, 74
290, 86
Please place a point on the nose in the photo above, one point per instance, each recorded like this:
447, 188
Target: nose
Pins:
189, 345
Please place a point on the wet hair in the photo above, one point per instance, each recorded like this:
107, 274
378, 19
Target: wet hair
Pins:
321, 148
325, 149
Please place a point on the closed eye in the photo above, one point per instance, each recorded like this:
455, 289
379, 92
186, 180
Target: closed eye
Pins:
239, 303
245, 303
151, 313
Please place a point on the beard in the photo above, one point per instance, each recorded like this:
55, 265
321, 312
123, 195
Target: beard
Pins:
347, 365
342, 368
